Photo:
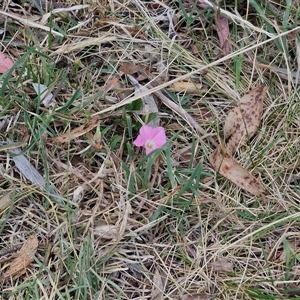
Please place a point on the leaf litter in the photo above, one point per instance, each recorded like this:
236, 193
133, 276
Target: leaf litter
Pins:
146, 241
23, 259
221, 265
76, 132
222, 28
240, 125
243, 120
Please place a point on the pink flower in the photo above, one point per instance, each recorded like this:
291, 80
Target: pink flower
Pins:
150, 138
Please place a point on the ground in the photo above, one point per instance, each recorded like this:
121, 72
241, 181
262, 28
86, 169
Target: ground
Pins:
112, 222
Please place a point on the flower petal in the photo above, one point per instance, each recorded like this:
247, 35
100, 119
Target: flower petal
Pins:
146, 131
139, 141
148, 150
159, 137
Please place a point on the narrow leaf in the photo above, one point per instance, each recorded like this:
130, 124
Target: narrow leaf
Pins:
223, 32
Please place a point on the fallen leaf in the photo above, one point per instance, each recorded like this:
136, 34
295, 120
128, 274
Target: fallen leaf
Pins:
107, 232
222, 265
243, 120
196, 297
129, 68
158, 287
111, 83
223, 163
23, 259
201, 114
5, 63
75, 133
223, 32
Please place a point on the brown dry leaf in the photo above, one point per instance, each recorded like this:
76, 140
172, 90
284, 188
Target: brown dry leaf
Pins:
111, 83
23, 259
107, 232
223, 32
223, 163
129, 68
222, 265
75, 133
196, 297
242, 121
202, 115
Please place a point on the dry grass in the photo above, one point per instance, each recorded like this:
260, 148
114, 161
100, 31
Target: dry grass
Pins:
126, 226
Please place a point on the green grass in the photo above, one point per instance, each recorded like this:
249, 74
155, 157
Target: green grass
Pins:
170, 215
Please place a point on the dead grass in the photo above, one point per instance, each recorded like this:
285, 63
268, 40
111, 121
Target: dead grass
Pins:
114, 224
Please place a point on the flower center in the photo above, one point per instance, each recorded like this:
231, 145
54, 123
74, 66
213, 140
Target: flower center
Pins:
149, 144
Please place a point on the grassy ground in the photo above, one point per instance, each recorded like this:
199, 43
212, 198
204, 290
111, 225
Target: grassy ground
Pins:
123, 225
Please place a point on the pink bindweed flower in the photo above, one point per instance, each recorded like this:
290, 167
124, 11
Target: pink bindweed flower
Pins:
150, 138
